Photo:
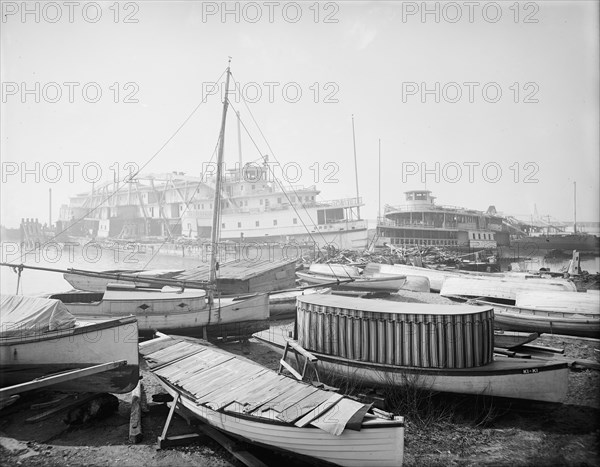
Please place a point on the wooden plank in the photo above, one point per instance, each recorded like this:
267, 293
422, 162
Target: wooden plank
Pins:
305, 353
172, 354
169, 418
218, 401
234, 448
60, 378
319, 410
81, 399
200, 381
279, 396
135, 418
299, 409
43, 405
147, 348
218, 385
334, 420
180, 440
289, 368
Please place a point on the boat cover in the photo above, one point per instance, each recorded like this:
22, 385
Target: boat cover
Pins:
20, 315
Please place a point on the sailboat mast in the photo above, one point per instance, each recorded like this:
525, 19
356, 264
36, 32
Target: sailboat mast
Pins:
379, 185
574, 207
355, 168
214, 236
239, 131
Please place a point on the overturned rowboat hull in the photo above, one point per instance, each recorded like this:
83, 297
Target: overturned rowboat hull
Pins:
387, 283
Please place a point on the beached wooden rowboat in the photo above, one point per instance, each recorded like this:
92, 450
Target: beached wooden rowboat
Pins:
260, 406
40, 337
515, 318
502, 289
414, 283
439, 347
320, 274
586, 303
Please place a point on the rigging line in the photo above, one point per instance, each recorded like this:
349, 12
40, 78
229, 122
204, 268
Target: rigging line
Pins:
284, 191
124, 180
291, 187
187, 204
274, 177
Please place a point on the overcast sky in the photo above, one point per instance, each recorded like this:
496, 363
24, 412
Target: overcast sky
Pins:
497, 101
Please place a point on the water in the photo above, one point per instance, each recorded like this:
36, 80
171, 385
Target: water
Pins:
94, 258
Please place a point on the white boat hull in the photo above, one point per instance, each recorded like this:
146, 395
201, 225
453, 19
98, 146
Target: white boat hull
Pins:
514, 318
560, 302
25, 358
504, 289
513, 378
186, 312
367, 447
386, 283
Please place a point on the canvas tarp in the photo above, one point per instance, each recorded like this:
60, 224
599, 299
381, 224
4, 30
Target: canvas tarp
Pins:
20, 315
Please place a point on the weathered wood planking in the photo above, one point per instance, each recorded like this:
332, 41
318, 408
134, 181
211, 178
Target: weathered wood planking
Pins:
221, 381
247, 276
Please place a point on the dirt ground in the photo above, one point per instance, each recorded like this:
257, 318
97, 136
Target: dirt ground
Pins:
451, 430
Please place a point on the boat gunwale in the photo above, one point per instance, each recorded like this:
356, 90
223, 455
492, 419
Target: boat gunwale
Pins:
540, 365
68, 332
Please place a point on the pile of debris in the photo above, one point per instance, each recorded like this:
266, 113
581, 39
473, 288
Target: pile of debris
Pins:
389, 254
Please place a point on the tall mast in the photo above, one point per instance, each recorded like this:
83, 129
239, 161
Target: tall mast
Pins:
574, 207
214, 236
239, 144
355, 167
379, 184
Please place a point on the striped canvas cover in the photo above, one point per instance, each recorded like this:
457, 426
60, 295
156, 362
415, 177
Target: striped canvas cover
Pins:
403, 334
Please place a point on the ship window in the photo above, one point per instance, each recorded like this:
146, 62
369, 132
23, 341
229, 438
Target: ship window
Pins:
274, 221
257, 223
261, 202
239, 224
278, 200
479, 236
223, 225
295, 221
